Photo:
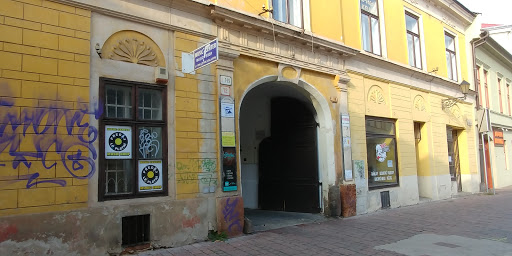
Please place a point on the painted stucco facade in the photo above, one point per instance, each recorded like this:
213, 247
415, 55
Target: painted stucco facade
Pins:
57, 56
494, 69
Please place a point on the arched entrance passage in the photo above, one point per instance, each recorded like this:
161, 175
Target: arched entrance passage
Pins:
286, 146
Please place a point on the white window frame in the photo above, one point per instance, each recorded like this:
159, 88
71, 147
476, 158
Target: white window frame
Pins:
422, 37
457, 54
306, 14
382, 28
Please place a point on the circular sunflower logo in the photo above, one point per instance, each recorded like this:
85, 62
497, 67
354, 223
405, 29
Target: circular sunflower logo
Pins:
118, 141
150, 174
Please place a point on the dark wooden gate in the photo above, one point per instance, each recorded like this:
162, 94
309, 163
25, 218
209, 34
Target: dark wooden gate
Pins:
289, 159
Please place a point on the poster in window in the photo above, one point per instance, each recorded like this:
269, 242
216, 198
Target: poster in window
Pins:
118, 142
381, 162
150, 175
229, 169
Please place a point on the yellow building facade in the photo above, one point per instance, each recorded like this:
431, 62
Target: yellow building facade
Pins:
309, 107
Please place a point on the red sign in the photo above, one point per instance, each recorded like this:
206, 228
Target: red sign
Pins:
498, 138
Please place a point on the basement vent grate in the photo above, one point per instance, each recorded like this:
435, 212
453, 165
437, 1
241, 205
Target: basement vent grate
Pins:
384, 199
135, 229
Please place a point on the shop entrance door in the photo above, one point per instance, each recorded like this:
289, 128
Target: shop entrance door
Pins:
453, 156
289, 159
490, 184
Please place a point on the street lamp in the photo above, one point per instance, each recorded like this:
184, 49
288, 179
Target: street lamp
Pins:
464, 88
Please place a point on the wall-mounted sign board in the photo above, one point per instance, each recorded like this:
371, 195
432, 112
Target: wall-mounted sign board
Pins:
200, 57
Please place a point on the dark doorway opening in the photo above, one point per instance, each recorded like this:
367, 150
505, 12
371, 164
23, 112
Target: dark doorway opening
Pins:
288, 159
453, 155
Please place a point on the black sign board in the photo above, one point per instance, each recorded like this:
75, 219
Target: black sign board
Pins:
229, 169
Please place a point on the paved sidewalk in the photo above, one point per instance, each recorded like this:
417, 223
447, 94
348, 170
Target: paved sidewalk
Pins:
469, 225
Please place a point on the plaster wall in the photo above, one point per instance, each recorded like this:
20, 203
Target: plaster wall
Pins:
406, 104
44, 82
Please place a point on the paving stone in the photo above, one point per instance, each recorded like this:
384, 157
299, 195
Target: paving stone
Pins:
447, 227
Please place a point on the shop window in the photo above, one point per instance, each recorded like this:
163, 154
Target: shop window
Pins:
293, 12
451, 56
133, 160
370, 26
413, 40
381, 151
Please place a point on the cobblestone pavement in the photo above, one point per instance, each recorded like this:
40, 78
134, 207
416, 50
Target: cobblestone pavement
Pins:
470, 225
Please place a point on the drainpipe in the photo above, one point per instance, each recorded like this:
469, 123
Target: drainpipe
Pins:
474, 44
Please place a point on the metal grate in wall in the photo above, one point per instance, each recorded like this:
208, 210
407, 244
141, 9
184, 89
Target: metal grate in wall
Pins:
384, 199
135, 229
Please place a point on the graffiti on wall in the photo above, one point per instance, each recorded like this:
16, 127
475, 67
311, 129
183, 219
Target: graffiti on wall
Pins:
232, 215
52, 134
198, 171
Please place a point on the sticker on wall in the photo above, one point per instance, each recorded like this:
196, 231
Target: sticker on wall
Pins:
381, 152
348, 174
227, 109
150, 175
118, 142
390, 163
225, 90
228, 139
229, 169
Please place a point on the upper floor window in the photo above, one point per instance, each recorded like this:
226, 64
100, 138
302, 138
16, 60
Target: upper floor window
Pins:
413, 40
370, 30
478, 82
499, 95
133, 160
294, 12
486, 87
508, 99
451, 56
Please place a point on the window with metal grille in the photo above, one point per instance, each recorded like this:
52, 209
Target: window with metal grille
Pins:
384, 199
133, 152
135, 229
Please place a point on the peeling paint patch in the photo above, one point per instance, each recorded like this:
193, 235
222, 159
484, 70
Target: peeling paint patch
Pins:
7, 230
54, 246
190, 223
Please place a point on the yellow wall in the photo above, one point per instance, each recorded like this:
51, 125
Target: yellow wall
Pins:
44, 65
196, 124
396, 40
250, 6
326, 19
351, 23
394, 16
398, 103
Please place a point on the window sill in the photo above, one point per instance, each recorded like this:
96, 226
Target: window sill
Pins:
383, 187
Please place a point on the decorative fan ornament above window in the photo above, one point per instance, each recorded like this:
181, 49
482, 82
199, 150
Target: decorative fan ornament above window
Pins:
376, 95
419, 103
134, 47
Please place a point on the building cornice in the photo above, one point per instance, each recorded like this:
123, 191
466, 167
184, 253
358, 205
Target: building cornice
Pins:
497, 50
270, 27
195, 7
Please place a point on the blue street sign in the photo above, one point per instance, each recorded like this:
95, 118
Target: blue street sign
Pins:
206, 54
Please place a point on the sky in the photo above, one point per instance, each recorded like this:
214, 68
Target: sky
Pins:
493, 11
